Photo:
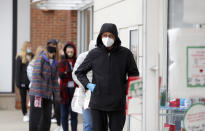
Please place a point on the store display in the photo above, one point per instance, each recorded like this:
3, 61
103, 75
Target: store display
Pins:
174, 103
182, 125
182, 102
169, 127
172, 127
166, 127
163, 97
187, 103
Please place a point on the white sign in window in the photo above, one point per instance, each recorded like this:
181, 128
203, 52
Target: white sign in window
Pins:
196, 66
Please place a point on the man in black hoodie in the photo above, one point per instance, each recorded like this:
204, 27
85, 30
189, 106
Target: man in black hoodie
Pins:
110, 63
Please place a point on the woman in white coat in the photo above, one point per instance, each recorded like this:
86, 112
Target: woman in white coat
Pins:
87, 118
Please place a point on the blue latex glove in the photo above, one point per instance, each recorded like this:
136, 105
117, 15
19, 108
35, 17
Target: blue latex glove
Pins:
91, 86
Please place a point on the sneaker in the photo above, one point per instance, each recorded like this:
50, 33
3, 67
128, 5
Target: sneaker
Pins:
53, 120
25, 118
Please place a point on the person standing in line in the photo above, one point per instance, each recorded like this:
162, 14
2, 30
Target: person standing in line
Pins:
87, 118
67, 87
39, 50
31, 64
44, 85
111, 64
22, 81
56, 105
60, 53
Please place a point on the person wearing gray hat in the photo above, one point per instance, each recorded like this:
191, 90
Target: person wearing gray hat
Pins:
44, 86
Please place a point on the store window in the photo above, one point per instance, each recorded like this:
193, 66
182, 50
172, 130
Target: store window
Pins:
85, 29
134, 110
175, 16
185, 48
134, 42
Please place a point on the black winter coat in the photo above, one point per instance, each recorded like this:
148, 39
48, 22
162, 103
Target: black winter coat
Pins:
110, 69
21, 73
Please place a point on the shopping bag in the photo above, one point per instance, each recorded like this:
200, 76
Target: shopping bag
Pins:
75, 106
81, 96
87, 99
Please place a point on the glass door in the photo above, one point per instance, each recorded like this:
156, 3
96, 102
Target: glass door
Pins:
184, 74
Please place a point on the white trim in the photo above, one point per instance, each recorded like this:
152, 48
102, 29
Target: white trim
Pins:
144, 76
165, 45
63, 4
79, 32
91, 21
6, 27
85, 14
152, 39
89, 5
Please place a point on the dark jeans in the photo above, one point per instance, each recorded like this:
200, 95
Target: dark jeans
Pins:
66, 110
40, 118
23, 93
100, 120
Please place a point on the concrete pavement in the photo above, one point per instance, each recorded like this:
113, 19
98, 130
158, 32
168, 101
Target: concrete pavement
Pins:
11, 120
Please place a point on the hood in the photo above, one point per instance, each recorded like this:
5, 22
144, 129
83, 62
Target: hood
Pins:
108, 27
69, 44
92, 45
46, 58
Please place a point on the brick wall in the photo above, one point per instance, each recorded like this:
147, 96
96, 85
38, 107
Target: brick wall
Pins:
61, 25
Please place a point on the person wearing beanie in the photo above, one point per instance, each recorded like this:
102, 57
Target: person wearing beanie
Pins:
44, 85
67, 87
111, 64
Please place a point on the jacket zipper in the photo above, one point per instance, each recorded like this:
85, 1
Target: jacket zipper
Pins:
109, 59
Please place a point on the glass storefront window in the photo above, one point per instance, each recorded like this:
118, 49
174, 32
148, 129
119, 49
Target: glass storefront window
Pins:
172, 109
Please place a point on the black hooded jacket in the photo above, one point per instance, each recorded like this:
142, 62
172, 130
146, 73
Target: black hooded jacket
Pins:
110, 69
21, 72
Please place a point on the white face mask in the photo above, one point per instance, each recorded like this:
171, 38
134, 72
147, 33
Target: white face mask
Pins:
108, 42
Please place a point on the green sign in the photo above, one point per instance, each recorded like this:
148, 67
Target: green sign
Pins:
195, 66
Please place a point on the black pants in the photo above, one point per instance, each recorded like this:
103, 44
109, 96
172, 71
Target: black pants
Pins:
40, 118
56, 106
23, 93
100, 120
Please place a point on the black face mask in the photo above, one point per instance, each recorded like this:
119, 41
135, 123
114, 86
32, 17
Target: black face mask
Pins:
51, 49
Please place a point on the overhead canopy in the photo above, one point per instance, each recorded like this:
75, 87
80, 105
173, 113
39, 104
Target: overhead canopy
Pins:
62, 4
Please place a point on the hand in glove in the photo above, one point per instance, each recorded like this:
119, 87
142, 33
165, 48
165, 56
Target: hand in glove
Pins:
91, 86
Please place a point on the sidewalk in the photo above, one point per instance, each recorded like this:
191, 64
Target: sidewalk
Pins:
12, 121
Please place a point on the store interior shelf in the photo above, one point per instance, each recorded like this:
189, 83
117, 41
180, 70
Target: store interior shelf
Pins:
173, 108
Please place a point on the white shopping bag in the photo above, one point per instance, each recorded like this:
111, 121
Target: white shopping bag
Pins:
81, 96
75, 106
87, 99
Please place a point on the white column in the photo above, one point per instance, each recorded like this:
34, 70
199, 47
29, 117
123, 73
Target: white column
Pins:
153, 38
23, 24
6, 45
79, 33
